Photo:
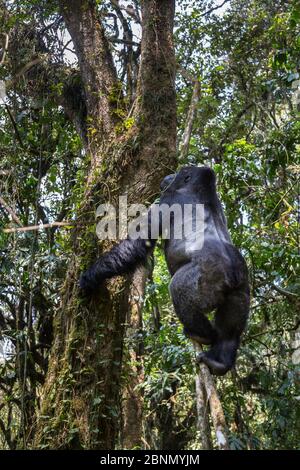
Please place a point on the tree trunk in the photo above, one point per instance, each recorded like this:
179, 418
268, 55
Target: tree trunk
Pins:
132, 409
81, 397
202, 414
209, 391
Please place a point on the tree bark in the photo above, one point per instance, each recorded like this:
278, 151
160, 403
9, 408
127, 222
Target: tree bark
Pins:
81, 397
202, 414
133, 365
98, 73
216, 409
209, 392
206, 392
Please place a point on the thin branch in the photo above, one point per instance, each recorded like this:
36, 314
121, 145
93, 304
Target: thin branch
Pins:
184, 147
10, 211
4, 48
130, 10
124, 41
268, 332
36, 61
286, 293
192, 112
38, 227
208, 12
185, 73
14, 124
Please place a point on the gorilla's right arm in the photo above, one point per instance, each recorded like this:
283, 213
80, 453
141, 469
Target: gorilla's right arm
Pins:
121, 259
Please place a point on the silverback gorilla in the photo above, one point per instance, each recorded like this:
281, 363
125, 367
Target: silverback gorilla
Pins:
213, 278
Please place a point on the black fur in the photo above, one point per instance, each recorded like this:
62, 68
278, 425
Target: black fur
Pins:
213, 278
122, 258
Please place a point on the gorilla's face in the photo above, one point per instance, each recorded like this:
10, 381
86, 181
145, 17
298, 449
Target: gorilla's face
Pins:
189, 179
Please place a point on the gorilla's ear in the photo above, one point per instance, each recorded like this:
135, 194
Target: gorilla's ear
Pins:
167, 181
208, 177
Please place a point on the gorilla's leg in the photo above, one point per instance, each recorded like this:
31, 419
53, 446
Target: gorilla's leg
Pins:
184, 289
230, 322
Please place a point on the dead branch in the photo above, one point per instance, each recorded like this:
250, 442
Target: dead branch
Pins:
37, 227
216, 410
185, 73
203, 424
184, 148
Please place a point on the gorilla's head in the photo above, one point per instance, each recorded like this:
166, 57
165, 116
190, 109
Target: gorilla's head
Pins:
190, 179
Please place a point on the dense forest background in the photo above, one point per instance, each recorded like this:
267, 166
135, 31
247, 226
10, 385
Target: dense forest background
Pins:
89, 113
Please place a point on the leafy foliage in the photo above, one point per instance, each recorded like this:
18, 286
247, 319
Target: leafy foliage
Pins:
246, 56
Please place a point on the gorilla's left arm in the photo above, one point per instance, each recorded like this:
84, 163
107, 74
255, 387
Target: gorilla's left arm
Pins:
121, 259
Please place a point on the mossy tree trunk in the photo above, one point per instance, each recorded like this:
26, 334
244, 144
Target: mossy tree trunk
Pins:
133, 366
80, 403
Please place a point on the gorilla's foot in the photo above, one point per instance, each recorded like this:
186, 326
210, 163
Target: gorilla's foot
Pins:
221, 357
215, 367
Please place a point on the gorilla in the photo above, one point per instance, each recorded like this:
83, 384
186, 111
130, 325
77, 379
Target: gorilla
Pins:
209, 278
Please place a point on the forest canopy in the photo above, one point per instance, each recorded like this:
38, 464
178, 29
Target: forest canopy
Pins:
102, 98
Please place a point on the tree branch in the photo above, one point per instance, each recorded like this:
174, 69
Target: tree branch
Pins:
216, 410
14, 124
10, 211
286, 293
4, 48
157, 71
37, 227
96, 63
217, 7
186, 138
202, 414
